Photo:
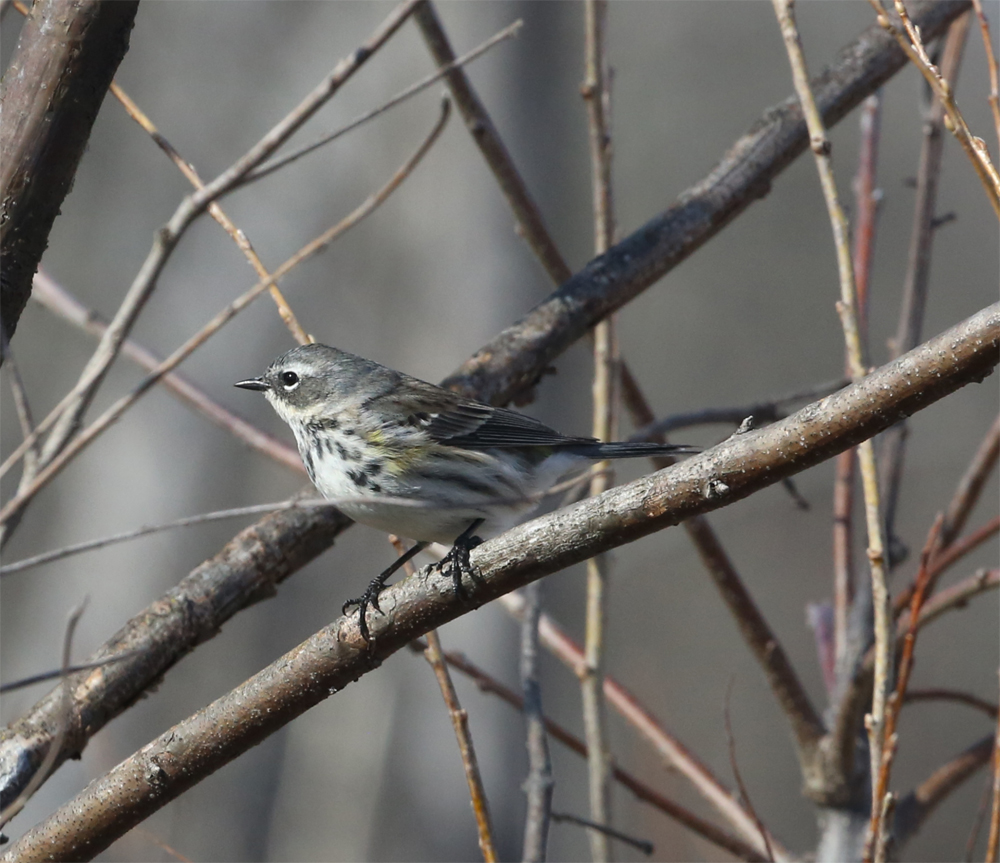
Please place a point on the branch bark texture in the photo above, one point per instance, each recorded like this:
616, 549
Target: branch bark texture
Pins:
66, 57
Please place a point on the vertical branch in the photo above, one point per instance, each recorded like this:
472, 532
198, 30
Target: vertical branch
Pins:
847, 307
991, 60
866, 202
460, 721
539, 785
66, 56
596, 95
922, 584
917, 281
993, 840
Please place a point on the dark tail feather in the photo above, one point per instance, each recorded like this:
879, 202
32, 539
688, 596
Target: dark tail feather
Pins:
625, 449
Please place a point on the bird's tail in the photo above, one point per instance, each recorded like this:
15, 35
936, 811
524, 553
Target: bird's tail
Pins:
627, 449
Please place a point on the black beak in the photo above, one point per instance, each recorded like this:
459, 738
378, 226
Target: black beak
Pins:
258, 384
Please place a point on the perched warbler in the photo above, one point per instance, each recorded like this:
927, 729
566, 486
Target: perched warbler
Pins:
415, 459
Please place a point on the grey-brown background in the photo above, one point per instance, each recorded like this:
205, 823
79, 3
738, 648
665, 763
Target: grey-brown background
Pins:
373, 773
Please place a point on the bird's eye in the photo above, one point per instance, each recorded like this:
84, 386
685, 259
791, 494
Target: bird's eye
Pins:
290, 380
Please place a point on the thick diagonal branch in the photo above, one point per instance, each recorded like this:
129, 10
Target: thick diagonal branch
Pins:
337, 655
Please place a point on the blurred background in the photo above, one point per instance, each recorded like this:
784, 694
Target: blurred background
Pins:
374, 772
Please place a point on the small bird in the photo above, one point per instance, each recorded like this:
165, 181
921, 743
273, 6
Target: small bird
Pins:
412, 458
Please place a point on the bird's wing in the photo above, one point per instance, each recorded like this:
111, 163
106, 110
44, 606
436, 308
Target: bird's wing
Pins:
450, 419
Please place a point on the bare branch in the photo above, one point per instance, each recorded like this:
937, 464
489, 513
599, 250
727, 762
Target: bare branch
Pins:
247, 570
66, 56
762, 412
270, 167
917, 282
539, 785
596, 91
971, 484
145, 530
994, 67
941, 694
913, 44
460, 721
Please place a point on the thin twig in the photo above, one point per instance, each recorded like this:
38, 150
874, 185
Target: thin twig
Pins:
539, 785
421, 85
62, 672
596, 92
145, 530
956, 695
916, 284
858, 364
460, 721
735, 767
985, 801
59, 301
118, 408
951, 555
914, 809
762, 412
48, 762
21, 404
880, 787
643, 845
971, 485
434, 655
994, 67
993, 837
954, 597
913, 47
867, 198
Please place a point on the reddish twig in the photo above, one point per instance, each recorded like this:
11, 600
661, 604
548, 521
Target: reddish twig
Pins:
971, 485
955, 552
880, 785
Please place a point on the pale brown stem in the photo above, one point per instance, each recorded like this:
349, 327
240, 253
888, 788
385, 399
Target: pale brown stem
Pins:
597, 97
857, 363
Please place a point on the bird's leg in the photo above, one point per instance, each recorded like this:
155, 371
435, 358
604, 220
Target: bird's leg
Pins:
456, 562
370, 596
